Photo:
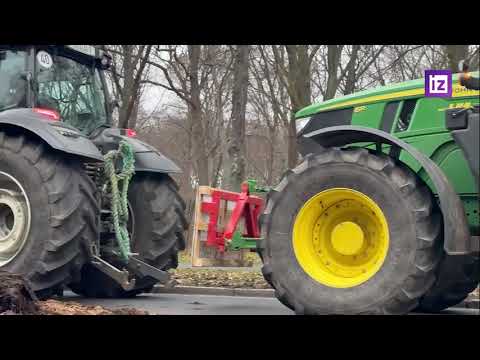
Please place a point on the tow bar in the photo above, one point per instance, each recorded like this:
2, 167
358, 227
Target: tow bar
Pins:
134, 266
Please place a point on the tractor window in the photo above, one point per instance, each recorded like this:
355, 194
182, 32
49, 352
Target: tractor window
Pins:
75, 91
389, 116
406, 115
12, 85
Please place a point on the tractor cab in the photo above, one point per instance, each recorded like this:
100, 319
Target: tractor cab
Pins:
64, 83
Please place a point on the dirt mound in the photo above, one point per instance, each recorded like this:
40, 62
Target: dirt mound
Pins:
16, 295
55, 307
18, 298
220, 278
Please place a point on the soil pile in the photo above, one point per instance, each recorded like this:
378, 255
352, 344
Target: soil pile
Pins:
211, 277
16, 295
55, 307
18, 298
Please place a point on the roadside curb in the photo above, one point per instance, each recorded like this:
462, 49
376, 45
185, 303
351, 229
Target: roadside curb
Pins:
201, 290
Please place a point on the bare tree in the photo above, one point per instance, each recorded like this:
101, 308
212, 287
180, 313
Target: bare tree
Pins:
294, 71
128, 73
236, 138
270, 106
341, 69
188, 73
455, 53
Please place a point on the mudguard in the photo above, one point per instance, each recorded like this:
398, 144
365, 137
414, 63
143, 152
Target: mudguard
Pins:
58, 135
147, 158
465, 128
456, 231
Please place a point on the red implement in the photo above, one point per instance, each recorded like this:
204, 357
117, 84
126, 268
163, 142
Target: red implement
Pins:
247, 206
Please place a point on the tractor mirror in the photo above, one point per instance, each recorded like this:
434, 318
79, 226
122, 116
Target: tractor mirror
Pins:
25, 76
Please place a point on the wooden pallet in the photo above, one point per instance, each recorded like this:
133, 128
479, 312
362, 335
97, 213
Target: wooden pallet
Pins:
203, 255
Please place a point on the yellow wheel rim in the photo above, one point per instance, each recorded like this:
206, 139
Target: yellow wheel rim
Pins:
340, 237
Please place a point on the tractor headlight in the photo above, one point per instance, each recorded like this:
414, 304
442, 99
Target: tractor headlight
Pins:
301, 123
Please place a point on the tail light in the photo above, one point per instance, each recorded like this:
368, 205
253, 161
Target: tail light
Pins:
130, 133
50, 114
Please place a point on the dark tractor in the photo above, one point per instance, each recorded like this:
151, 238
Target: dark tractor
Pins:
56, 224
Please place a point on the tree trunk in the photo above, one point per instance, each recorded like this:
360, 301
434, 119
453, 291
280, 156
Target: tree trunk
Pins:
292, 142
300, 92
236, 141
132, 123
455, 53
128, 73
271, 155
333, 58
351, 77
195, 111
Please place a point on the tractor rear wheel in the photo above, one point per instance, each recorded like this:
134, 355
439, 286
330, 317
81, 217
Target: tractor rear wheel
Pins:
157, 235
350, 232
457, 277
48, 213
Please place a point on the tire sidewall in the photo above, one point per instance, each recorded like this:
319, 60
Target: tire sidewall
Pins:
25, 262
402, 238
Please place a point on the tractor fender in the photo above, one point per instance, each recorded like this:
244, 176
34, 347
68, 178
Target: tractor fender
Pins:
456, 231
58, 135
147, 158
465, 128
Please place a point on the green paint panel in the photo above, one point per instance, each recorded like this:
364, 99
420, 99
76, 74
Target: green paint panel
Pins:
447, 156
456, 168
428, 114
239, 242
370, 117
375, 95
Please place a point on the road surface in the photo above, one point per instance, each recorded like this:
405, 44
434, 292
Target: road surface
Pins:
179, 304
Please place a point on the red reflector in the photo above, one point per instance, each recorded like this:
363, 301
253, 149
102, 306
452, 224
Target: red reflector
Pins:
51, 114
131, 133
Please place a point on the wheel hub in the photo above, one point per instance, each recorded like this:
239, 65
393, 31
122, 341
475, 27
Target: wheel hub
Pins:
340, 237
14, 218
347, 238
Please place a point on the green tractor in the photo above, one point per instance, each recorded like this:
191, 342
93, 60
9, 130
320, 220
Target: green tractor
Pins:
61, 213
382, 215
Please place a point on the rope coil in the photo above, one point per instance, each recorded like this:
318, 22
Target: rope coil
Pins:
119, 199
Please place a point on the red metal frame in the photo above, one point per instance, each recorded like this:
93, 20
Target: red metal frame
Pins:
247, 206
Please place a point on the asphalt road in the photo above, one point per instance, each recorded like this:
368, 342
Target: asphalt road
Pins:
179, 304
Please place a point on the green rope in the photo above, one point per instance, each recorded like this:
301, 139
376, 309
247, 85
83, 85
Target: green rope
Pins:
119, 201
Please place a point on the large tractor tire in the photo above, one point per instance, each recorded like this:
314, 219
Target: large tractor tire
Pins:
157, 235
48, 214
457, 277
350, 232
